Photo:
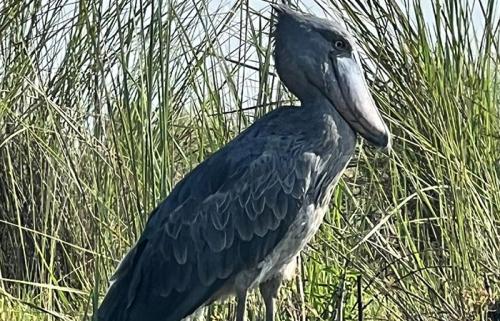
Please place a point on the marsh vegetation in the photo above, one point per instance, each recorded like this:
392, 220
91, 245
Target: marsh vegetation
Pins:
104, 106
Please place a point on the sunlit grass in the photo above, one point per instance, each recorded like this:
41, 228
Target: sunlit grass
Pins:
105, 106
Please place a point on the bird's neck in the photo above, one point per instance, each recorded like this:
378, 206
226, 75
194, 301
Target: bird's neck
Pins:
326, 116
320, 104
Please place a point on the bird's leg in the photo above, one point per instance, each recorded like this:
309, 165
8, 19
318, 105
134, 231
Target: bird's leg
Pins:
241, 298
269, 292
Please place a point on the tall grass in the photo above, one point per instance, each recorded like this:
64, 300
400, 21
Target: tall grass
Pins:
104, 106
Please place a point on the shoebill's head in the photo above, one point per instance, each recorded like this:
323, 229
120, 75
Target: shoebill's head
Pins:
316, 58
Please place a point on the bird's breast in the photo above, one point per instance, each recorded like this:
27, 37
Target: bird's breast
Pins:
331, 147
299, 234
302, 229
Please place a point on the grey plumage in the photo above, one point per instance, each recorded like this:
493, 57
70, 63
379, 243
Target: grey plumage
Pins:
239, 219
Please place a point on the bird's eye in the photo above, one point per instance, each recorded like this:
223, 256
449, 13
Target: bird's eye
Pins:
340, 44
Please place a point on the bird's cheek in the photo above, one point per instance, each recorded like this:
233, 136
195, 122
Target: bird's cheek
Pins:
331, 87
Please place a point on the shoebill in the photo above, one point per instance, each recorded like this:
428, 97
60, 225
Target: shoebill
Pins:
240, 218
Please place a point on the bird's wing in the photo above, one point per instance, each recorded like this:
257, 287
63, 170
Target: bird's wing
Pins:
225, 216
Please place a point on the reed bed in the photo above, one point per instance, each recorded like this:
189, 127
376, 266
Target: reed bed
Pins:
105, 105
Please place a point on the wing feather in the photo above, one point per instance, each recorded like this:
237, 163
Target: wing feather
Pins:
215, 239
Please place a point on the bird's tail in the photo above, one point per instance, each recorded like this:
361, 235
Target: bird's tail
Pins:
128, 299
117, 299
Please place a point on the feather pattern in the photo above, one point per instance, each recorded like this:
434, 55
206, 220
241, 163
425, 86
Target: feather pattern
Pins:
225, 216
